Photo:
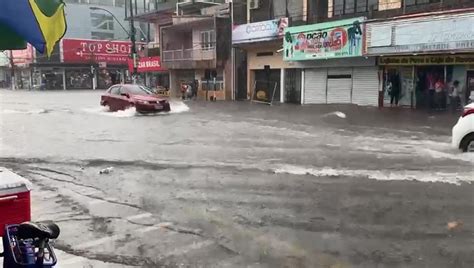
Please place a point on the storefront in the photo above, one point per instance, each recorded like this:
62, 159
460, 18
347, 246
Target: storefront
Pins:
424, 58
262, 75
426, 81
330, 56
83, 64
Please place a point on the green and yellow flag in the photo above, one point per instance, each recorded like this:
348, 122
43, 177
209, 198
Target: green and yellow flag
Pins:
41, 23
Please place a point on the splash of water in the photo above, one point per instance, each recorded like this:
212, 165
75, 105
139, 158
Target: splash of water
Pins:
178, 107
337, 113
104, 110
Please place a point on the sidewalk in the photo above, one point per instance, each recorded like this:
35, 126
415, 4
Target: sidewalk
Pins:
64, 259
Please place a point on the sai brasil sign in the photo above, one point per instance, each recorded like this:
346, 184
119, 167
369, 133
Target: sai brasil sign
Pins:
338, 39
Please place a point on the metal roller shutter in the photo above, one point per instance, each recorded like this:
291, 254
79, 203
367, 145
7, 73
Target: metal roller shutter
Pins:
365, 86
339, 90
339, 85
315, 86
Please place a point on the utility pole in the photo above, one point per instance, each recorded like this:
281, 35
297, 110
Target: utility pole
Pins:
134, 44
12, 70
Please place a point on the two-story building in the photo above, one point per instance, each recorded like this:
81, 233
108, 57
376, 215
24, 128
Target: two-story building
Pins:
194, 41
260, 72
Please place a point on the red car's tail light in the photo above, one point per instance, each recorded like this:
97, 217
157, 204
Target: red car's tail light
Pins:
467, 112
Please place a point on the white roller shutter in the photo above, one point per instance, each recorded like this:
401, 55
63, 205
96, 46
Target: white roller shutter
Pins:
365, 86
339, 85
314, 86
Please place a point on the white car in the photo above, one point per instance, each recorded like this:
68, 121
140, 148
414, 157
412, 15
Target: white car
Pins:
463, 131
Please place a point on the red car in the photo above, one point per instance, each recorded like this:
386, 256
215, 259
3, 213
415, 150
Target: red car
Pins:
121, 97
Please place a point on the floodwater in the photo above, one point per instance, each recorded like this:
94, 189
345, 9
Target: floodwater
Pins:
234, 184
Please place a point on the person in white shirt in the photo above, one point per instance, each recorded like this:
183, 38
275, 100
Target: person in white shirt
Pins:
455, 95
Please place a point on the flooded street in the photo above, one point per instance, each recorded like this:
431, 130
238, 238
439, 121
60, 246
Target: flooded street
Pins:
242, 185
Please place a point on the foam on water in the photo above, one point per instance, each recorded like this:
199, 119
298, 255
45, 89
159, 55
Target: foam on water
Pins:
385, 175
337, 113
33, 111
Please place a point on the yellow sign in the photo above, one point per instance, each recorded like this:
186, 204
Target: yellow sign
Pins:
428, 60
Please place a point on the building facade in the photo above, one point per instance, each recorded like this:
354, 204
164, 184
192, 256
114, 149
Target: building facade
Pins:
428, 54
413, 44
194, 43
260, 73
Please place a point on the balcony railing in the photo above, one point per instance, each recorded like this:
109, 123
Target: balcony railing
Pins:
189, 54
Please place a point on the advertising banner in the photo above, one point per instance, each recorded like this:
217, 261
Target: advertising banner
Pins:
338, 39
259, 31
86, 51
24, 57
424, 34
147, 64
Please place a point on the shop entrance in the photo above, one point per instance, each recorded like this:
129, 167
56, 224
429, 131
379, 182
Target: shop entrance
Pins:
293, 86
267, 85
427, 79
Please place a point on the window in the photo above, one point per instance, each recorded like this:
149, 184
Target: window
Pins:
209, 85
207, 40
420, 2
102, 21
342, 7
102, 36
120, 3
115, 90
136, 90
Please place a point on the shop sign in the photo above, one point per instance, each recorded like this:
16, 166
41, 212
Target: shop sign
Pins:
434, 33
338, 39
428, 60
259, 31
23, 57
86, 51
147, 64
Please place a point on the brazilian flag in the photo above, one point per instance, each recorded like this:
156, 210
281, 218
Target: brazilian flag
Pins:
41, 23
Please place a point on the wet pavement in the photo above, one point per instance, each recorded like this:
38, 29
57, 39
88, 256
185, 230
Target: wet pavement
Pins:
243, 185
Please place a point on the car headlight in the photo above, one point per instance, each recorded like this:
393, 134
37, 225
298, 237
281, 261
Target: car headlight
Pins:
142, 102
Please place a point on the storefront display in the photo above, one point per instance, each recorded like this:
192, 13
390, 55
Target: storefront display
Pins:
426, 81
79, 79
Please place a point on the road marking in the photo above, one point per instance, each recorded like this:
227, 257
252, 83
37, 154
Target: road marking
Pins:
139, 216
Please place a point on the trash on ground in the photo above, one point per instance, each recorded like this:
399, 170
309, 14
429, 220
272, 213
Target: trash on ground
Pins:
106, 170
454, 225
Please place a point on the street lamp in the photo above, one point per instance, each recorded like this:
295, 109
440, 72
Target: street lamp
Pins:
131, 34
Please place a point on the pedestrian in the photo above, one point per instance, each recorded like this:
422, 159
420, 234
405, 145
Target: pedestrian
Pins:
195, 88
439, 95
184, 89
394, 90
456, 96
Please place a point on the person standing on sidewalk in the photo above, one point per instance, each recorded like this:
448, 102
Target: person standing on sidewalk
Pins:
455, 96
395, 90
